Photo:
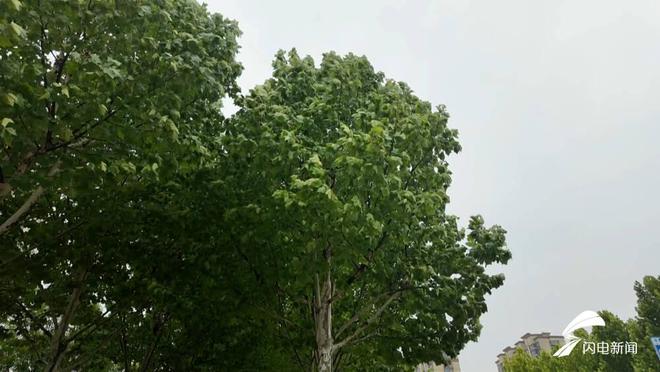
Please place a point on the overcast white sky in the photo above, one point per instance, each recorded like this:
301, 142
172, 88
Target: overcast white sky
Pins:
558, 108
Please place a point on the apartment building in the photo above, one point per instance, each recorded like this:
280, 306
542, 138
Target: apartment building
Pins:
533, 344
452, 366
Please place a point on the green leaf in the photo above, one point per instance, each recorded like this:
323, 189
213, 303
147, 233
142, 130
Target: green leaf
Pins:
65, 133
17, 30
6, 121
174, 131
16, 4
10, 99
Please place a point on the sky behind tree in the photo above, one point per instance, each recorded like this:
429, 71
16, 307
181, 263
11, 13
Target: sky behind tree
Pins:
557, 107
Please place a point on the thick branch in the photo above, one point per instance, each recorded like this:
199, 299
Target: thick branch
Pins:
27, 205
58, 344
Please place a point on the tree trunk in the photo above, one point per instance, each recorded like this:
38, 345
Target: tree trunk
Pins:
324, 339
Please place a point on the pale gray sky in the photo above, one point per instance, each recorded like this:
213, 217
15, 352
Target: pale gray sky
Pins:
558, 108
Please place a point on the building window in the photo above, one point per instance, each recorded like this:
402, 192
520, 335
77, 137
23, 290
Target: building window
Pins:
449, 369
535, 349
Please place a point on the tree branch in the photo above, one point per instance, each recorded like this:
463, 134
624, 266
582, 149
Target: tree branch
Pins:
374, 317
360, 269
158, 331
36, 194
91, 325
34, 319
58, 345
27, 205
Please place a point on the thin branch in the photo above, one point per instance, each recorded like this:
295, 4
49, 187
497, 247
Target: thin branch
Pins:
370, 321
357, 315
360, 269
158, 331
377, 299
91, 325
124, 345
81, 361
34, 319
412, 170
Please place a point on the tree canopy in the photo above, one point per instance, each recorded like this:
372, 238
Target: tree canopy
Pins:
108, 109
350, 237
141, 230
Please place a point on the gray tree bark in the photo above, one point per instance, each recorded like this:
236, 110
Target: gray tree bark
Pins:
324, 340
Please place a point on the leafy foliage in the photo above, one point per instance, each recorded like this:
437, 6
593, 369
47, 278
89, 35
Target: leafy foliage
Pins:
647, 323
112, 106
352, 187
110, 87
141, 230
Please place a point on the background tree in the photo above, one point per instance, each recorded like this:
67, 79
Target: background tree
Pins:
648, 298
342, 185
647, 323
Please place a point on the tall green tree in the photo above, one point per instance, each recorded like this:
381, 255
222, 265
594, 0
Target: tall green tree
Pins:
108, 111
341, 178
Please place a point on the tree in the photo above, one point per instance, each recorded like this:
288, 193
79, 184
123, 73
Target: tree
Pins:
522, 361
615, 330
341, 185
97, 86
647, 323
142, 231
108, 109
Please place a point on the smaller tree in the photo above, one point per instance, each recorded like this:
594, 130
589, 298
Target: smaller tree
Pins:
647, 323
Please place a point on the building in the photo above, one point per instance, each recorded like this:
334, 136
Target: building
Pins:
533, 344
453, 366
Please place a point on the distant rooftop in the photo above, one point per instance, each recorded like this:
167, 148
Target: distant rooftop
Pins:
532, 343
